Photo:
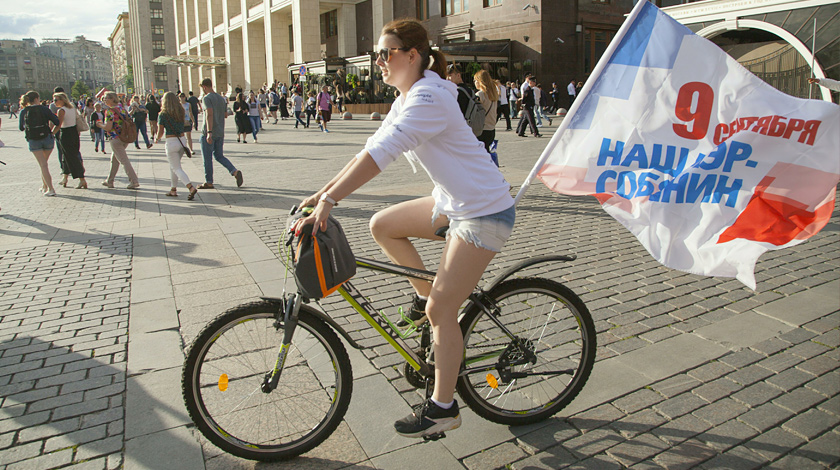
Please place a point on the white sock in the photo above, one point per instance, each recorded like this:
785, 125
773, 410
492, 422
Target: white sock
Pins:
422, 297
445, 406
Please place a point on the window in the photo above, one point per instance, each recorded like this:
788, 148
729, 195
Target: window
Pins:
595, 42
329, 24
161, 77
492, 3
155, 13
158, 45
452, 7
157, 29
423, 9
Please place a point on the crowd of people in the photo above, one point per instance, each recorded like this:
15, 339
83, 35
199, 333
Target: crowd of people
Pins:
57, 122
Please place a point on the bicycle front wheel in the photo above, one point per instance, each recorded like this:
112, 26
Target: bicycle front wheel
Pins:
534, 374
225, 369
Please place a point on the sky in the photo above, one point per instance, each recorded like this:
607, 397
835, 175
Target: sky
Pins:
66, 19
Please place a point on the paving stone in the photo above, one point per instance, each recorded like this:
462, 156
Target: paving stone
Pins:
737, 458
592, 442
21, 452
720, 411
676, 385
822, 449
757, 394
48, 430
637, 400
50, 460
797, 462
742, 358
553, 458
789, 379
716, 390
687, 455
780, 361
799, 400
681, 429
637, 449
727, 435
548, 436
639, 422
495, 457
679, 405
711, 371
749, 375
811, 423
75, 438
819, 365
765, 416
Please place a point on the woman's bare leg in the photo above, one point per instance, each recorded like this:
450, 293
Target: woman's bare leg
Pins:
42, 156
392, 227
461, 267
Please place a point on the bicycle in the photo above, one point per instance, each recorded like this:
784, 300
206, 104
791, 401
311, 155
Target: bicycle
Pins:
529, 347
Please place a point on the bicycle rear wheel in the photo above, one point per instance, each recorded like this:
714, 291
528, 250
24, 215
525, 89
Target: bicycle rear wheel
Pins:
225, 368
527, 379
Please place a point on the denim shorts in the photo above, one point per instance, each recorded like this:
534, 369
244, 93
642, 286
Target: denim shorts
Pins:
47, 143
489, 231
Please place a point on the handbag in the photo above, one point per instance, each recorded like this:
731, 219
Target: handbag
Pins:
186, 150
323, 262
81, 123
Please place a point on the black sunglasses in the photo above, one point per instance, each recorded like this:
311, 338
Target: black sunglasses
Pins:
385, 54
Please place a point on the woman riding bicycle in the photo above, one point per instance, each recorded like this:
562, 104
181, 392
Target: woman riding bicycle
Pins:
470, 196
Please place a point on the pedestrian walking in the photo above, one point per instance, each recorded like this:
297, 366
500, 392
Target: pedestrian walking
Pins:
527, 118
34, 121
172, 125
274, 103
504, 105
540, 101
188, 121
213, 135
68, 140
311, 112
571, 91
254, 114
153, 108
324, 103
488, 96
555, 97
98, 116
88, 111
297, 105
243, 122
115, 118
195, 108
139, 113
54, 109
13, 110
262, 99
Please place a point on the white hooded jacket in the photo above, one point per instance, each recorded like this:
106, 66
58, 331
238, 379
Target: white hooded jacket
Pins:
426, 125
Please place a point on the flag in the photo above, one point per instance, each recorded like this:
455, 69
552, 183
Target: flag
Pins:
707, 165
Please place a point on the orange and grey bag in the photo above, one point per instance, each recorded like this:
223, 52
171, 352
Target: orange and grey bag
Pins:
322, 262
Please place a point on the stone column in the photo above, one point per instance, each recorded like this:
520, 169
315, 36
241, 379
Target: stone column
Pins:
268, 29
280, 48
347, 31
383, 12
307, 30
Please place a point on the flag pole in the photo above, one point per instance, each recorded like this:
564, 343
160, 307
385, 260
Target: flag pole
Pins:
813, 54
596, 72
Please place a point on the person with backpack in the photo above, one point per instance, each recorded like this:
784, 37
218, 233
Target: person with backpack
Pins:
273, 104
67, 135
488, 96
527, 118
470, 195
120, 128
324, 103
35, 120
310, 107
471, 108
153, 108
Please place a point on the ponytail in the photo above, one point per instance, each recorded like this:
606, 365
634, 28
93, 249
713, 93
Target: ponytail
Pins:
438, 64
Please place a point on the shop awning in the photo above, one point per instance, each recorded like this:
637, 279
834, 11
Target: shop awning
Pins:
478, 48
197, 60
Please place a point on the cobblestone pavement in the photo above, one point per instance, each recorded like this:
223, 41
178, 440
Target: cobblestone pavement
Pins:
692, 372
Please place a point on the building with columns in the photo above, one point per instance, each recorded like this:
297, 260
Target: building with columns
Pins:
254, 41
121, 63
152, 34
88, 61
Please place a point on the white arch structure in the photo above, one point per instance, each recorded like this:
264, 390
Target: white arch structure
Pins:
739, 24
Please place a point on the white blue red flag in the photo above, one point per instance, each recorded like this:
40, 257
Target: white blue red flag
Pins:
704, 162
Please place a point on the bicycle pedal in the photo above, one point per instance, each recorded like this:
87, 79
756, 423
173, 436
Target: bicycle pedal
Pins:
434, 437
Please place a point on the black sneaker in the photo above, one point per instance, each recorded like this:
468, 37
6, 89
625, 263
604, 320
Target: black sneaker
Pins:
429, 419
415, 313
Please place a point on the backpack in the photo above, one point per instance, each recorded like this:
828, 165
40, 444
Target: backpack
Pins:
128, 131
37, 127
322, 262
474, 114
275, 99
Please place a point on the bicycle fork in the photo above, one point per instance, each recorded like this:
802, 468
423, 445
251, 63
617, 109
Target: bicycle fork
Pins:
290, 319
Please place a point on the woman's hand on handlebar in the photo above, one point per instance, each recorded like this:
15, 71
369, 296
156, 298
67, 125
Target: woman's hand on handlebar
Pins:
318, 219
311, 201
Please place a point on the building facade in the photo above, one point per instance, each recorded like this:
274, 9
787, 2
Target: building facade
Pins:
87, 61
121, 58
28, 66
152, 34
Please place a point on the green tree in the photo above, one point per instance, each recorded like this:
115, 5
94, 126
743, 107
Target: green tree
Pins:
4, 93
79, 89
129, 77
